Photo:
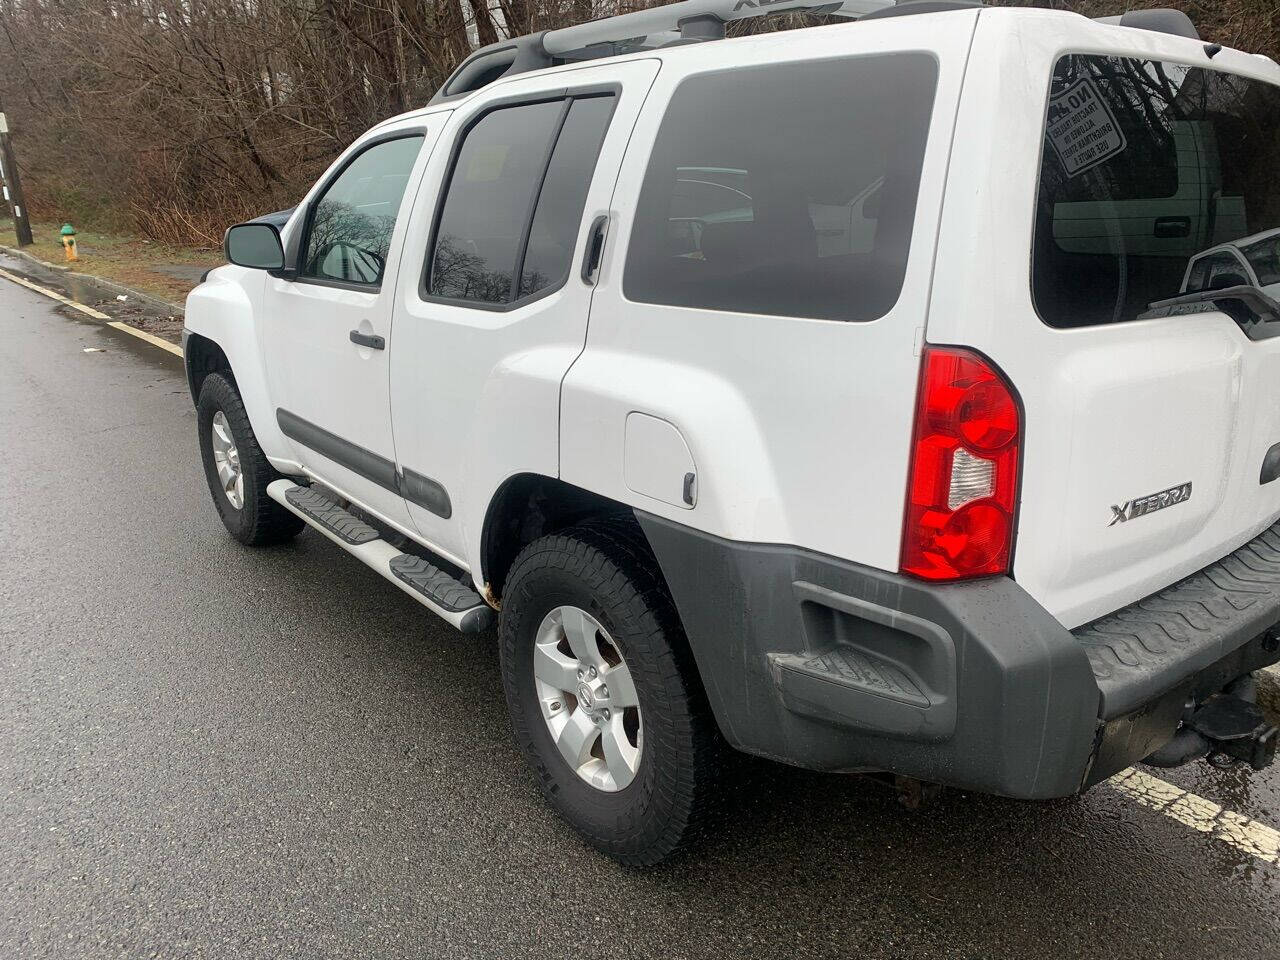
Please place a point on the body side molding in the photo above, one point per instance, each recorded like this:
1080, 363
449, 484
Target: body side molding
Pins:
413, 486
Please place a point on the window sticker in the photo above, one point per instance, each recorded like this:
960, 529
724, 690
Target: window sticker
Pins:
1082, 128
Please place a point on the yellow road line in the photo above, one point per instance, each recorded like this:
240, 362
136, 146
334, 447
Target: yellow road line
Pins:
1250, 836
150, 338
96, 314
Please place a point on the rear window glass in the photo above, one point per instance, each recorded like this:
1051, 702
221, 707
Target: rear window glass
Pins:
788, 189
1156, 180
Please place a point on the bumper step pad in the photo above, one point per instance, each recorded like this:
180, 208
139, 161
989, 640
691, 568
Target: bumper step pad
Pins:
852, 687
1150, 646
348, 528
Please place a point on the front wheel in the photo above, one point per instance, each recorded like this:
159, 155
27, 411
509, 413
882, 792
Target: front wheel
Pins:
236, 468
604, 698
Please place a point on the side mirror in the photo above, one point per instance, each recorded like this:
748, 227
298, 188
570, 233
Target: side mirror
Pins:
255, 245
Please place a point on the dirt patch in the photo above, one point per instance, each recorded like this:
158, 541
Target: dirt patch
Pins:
161, 270
166, 327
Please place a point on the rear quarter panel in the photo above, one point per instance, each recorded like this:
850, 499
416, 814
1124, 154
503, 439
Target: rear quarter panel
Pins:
799, 428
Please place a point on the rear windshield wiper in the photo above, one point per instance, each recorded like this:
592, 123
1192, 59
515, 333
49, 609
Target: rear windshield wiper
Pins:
1245, 304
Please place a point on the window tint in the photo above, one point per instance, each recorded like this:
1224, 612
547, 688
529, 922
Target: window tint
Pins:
351, 226
1145, 167
511, 166
489, 198
788, 189
559, 215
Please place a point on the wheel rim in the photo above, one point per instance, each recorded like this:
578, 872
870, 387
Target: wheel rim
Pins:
226, 459
588, 698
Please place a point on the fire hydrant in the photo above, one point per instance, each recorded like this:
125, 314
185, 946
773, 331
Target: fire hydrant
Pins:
69, 241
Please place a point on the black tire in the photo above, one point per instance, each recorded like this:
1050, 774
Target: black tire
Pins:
605, 567
260, 520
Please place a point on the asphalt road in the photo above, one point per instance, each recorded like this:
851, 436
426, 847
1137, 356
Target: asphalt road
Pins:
211, 751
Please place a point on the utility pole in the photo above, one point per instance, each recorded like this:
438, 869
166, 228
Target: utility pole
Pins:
12, 185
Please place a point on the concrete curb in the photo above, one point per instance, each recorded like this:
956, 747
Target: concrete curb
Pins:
155, 303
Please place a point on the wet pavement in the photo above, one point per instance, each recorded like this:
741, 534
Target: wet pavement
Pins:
211, 751
132, 307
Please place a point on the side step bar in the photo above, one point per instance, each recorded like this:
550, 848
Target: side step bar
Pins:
446, 597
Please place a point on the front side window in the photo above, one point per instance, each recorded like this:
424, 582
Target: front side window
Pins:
514, 201
1146, 166
788, 189
352, 222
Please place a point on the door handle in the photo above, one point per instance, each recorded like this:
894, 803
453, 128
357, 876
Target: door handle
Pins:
595, 247
370, 340
1167, 227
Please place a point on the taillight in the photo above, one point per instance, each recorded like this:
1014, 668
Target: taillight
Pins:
963, 485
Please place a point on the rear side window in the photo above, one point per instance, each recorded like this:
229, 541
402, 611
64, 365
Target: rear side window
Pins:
1146, 166
788, 189
514, 201
351, 224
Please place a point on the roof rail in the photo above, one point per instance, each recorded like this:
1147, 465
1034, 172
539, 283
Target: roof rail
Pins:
1157, 19
687, 21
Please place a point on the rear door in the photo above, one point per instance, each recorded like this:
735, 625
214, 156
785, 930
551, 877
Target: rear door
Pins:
1145, 429
492, 307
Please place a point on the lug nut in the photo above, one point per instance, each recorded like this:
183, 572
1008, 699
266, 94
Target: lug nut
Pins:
603, 694
593, 673
605, 713
555, 705
581, 674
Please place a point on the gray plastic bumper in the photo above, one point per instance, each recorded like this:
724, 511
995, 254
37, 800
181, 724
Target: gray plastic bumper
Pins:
826, 664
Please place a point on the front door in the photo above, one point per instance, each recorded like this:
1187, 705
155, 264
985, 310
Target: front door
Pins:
328, 331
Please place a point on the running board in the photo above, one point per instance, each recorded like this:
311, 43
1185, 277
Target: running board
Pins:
446, 597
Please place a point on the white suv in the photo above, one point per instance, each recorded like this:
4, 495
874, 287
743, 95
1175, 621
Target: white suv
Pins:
809, 393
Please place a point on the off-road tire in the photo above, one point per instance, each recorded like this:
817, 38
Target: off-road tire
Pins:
260, 521
606, 568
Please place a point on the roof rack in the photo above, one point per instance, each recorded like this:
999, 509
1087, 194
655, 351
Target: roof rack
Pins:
1157, 19
688, 21
695, 21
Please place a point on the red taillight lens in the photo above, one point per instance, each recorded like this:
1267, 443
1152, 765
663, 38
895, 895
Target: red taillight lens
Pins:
963, 485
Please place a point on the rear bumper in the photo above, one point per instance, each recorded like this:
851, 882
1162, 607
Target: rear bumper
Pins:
830, 665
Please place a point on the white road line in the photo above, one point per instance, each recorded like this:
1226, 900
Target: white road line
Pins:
96, 314
1250, 836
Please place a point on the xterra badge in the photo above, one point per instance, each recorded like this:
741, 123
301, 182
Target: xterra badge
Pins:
1141, 506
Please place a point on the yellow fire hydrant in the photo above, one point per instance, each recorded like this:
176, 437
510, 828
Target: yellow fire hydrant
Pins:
69, 241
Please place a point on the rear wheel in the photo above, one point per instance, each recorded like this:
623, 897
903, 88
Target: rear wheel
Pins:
236, 468
604, 699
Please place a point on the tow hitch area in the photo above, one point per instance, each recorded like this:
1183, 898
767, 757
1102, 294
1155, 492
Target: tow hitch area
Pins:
1236, 730
1225, 729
